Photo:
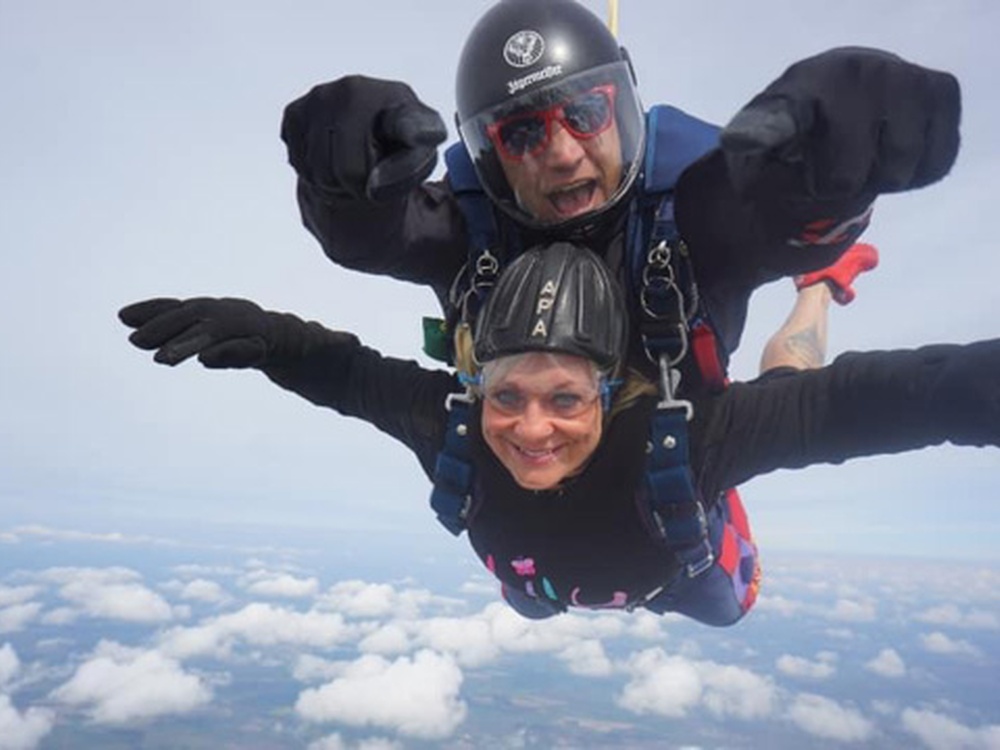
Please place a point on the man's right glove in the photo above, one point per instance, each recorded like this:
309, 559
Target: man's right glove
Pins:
360, 138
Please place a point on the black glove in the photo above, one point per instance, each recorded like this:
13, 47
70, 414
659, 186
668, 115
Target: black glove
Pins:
845, 125
362, 138
222, 332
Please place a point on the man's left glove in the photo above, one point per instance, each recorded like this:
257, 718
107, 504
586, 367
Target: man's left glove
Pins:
845, 125
221, 332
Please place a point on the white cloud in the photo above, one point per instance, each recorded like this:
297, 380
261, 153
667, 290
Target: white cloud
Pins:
939, 643
825, 718
515, 634
113, 593
850, 610
796, 666
119, 685
16, 594
888, 663
335, 742
672, 686
416, 697
778, 605
17, 616
203, 590
738, 692
586, 658
471, 641
361, 599
951, 615
23, 731
939, 732
309, 668
386, 640
10, 665
275, 584
258, 624
71, 535
646, 626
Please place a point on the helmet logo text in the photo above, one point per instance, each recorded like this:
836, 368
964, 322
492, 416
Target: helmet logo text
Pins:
523, 49
546, 298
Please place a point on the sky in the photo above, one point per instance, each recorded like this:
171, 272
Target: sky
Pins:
194, 533
139, 157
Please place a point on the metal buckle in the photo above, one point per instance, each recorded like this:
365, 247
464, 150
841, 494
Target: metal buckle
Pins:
669, 379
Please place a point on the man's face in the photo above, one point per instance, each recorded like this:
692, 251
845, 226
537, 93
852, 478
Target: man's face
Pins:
569, 172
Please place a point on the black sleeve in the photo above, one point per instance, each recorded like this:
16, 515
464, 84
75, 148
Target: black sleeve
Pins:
421, 238
396, 396
862, 404
738, 245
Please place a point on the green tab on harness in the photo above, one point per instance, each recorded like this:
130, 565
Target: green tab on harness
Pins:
436, 339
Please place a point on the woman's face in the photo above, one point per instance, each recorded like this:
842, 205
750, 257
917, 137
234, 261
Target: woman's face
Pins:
542, 416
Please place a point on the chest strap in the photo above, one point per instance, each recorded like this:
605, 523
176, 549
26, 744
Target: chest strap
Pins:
451, 497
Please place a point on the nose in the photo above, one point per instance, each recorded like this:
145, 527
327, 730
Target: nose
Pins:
533, 423
563, 149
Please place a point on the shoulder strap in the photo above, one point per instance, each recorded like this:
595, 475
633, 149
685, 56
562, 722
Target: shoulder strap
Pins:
675, 502
451, 497
674, 139
472, 199
669, 313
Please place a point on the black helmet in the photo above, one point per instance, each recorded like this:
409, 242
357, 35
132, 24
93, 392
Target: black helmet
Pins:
557, 298
528, 56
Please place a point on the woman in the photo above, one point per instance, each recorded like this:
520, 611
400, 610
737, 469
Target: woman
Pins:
556, 446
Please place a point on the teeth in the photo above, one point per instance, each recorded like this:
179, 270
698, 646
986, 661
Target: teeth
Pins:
535, 453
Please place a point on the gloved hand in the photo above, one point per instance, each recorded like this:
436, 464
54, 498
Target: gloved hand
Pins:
848, 124
222, 332
362, 138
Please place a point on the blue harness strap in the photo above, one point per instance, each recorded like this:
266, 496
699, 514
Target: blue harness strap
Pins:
657, 282
665, 293
451, 497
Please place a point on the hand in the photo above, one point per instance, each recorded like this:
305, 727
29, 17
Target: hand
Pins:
362, 138
222, 332
846, 124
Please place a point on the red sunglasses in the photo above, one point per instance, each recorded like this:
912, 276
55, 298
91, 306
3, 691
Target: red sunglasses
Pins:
585, 115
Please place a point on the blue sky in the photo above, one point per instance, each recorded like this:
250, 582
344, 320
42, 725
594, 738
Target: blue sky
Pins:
139, 156
152, 517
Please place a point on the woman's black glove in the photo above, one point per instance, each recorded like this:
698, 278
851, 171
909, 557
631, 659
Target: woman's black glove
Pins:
846, 125
362, 138
221, 332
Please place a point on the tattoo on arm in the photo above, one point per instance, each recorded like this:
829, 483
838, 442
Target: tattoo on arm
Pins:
806, 347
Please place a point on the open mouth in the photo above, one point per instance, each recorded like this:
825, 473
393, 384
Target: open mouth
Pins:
573, 199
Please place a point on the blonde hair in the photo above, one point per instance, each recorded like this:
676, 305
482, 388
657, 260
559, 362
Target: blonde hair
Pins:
635, 385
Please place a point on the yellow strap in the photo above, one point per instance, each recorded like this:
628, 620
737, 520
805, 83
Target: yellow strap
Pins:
613, 17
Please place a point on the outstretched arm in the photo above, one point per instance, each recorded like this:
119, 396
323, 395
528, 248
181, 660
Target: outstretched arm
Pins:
792, 186
862, 404
361, 149
329, 368
800, 343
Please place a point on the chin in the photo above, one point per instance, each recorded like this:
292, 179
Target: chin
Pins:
535, 486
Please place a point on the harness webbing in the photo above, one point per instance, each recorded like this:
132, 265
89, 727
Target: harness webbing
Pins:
671, 323
451, 497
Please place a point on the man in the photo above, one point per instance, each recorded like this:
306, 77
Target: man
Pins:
552, 124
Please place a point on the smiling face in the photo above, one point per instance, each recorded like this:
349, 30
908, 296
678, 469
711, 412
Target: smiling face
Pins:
542, 416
